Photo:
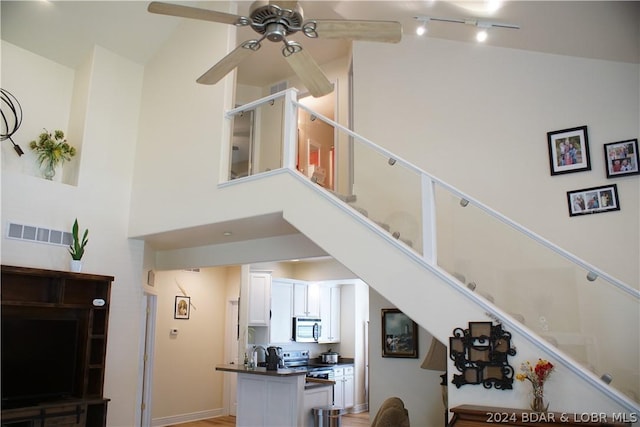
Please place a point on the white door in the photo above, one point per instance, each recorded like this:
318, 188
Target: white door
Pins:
231, 356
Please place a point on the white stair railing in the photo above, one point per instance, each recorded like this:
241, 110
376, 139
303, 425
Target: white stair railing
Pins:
573, 305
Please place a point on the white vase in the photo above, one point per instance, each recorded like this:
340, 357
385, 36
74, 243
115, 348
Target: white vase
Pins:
76, 265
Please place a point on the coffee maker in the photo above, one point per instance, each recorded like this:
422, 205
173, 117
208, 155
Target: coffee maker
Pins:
274, 358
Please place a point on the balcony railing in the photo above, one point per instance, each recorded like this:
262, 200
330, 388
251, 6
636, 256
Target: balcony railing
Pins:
574, 306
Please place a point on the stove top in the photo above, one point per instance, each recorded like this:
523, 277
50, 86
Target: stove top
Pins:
295, 358
298, 360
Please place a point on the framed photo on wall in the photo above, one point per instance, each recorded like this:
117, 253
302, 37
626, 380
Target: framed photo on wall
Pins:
593, 200
569, 150
399, 334
182, 308
622, 158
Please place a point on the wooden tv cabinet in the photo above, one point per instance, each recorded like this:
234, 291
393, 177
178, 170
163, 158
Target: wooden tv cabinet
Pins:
36, 292
67, 413
476, 416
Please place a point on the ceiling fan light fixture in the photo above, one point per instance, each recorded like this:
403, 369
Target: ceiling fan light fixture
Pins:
291, 47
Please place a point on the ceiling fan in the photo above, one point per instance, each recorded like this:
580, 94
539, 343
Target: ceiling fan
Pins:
274, 21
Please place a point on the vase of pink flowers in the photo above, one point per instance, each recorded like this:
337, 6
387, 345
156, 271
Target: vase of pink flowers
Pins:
536, 374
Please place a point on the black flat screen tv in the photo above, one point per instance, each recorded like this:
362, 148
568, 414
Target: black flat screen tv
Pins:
39, 360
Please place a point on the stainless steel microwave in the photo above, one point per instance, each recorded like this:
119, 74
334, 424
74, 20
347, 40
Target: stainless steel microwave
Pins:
306, 329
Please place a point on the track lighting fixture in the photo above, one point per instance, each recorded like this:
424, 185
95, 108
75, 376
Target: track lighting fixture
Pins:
482, 34
483, 26
422, 29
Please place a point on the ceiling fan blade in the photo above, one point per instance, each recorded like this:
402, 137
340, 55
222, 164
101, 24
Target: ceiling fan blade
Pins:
195, 13
310, 73
228, 63
375, 31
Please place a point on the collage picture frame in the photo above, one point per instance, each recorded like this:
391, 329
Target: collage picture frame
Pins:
593, 200
622, 158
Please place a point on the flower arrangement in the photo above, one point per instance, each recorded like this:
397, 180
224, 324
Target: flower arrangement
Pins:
536, 375
52, 149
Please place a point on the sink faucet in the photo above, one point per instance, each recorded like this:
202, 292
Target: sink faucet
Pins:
255, 354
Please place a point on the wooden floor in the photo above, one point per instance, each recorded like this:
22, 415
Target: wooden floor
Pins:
348, 420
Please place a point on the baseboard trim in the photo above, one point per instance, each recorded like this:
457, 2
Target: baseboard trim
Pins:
183, 418
357, 409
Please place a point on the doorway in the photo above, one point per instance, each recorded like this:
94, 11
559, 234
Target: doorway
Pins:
316, 140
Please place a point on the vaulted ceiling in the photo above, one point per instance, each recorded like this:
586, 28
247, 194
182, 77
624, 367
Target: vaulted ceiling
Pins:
65, 31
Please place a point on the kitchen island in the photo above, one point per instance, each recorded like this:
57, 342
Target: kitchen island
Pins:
279, 398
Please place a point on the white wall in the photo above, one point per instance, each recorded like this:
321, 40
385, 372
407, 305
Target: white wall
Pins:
100, 200
45, 101
477, 116
181, 126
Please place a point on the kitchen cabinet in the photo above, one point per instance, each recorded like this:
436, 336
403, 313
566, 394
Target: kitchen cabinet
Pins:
281, 311
259, 303
344, 390
330, 314
268, 398
306, 299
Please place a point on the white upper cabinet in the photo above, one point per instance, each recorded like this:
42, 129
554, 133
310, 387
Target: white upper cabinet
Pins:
306, 299
330, 313
281, 311
259, 298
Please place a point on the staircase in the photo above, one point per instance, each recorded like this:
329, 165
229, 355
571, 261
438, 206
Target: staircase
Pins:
420, 256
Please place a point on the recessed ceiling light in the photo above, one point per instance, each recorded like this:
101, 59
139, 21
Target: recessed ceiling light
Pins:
227, 233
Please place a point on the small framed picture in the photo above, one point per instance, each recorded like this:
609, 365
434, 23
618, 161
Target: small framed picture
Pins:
182, 308
593, 200
622, 158
399, 334
569, 150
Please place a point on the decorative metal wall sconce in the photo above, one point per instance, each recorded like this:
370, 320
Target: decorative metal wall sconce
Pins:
480, 354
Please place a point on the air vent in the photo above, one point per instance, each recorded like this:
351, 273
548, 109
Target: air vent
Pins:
278, 87
38, 234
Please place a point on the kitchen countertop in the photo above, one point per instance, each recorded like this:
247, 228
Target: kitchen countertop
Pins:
240, 369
